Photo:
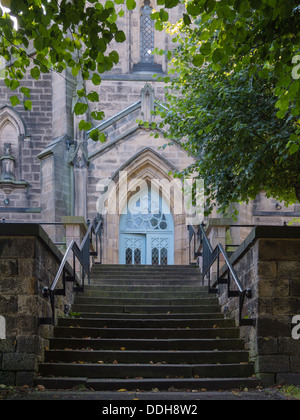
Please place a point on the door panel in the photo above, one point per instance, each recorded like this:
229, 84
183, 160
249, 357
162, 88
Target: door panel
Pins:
132, 249
160, 249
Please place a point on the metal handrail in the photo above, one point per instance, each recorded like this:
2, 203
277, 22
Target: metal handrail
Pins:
193, 234
210, 256
82, 253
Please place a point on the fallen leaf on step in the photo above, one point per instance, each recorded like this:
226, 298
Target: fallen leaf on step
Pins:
123, 348
100, 362
122, 390
115, 362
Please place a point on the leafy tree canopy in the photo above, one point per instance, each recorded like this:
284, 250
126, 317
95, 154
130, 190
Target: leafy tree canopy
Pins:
262, 35
54, 35
235, 103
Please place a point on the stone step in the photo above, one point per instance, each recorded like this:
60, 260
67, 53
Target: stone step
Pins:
138, 322
146, 344
138, 281
144, 274
149, 268
99, 371
168, 316
124, 294
147, 333
144, 288
134, 301
70, 355
149, 309
163, 384
146, 327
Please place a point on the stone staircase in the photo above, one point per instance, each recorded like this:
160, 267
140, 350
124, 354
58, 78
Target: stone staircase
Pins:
143, 328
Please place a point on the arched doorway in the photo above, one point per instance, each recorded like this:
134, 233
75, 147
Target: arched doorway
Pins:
146, 231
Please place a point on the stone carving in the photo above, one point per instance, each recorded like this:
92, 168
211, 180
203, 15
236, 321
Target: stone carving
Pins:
8, 164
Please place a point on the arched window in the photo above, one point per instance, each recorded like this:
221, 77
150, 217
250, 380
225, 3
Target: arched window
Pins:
146, 34
147, 41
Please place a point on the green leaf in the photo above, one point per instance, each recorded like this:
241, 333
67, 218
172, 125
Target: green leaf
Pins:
205, 49
39, 43
120, 36
75, 71
35, 73
84, 125
114, 56
198, 60
96, 79
93, 96
131, 4
192, 9
164, 16
14, 100
293, 148
14, 84
171, 3
96, 135
80, 108
97, 115
25, 91
28, 105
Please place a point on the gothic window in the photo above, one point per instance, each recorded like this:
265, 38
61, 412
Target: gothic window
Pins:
146, 34
155, 256
137, 256
128, 256
164, 256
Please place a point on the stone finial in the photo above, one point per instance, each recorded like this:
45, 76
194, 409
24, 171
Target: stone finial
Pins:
147, 95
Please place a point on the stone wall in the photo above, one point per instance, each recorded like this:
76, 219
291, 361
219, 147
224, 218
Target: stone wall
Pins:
28, 262
34, 132
269, 263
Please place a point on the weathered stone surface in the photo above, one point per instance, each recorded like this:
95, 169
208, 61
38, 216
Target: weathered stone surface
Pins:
19, 362
275, 283
25, 378
30, 344
273, 363
267, 345
22, 304
7, 378
288, 379
8, 304
289, 269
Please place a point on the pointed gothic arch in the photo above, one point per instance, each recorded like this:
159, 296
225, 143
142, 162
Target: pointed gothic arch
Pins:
141, 170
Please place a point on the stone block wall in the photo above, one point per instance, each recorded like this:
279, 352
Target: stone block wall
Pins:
34, 133
28, 262
269, 263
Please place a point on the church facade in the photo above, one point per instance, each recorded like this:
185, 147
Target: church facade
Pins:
50, 170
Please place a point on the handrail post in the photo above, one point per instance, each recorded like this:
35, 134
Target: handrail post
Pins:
209, 256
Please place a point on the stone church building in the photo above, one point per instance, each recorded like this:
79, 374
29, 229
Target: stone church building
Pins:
50, 171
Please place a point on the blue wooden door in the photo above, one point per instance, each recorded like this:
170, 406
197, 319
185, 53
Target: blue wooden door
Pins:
146, 235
